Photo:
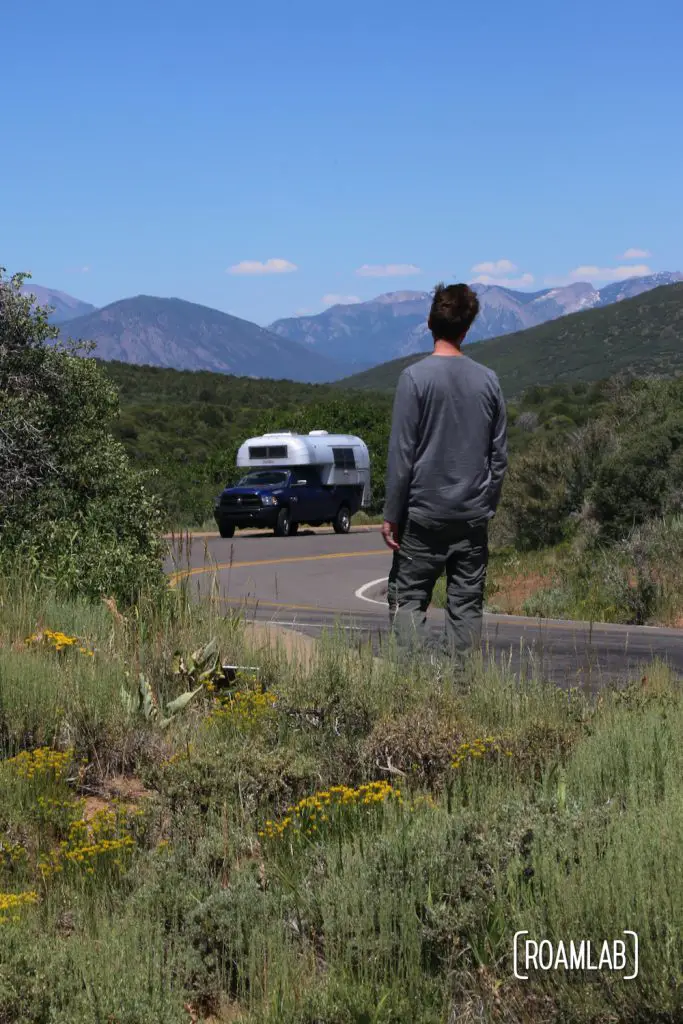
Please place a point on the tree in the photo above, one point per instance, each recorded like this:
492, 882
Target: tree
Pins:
72, 509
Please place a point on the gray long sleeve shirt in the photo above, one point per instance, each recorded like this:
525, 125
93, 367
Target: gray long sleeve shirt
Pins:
448, 445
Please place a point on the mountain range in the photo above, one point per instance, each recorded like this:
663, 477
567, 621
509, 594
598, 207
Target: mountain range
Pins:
395, 324
342, 340
640, 336
186, 336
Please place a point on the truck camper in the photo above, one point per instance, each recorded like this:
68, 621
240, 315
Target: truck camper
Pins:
293, 478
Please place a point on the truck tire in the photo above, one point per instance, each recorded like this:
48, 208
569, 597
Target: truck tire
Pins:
226, 531
284, 527
342, 520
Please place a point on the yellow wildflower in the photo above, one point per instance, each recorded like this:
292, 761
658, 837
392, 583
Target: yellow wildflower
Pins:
11, 903
58, 640
477, 748
304, 818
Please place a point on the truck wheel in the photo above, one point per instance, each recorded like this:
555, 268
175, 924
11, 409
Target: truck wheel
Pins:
227, 531
342, 520
284, 527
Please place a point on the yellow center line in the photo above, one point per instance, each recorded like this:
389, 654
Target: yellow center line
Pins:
181, 574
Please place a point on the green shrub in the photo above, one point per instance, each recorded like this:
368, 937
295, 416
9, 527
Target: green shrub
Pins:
537, 498
612, 473
72, 509
630, 484
638, 579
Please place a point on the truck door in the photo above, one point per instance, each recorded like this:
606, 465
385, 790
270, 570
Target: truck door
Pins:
311, 496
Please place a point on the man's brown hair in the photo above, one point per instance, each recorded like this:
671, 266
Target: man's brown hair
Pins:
453, 311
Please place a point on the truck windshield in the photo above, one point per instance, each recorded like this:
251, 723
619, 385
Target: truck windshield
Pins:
263, 478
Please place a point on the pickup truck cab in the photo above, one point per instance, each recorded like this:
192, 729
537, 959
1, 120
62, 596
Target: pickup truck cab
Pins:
328, 483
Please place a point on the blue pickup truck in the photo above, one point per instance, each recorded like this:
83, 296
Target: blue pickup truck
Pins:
281, 499
291, 479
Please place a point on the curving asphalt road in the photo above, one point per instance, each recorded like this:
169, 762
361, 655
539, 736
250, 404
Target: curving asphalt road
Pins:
319, 579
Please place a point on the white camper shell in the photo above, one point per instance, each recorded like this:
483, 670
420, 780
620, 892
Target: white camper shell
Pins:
341, 459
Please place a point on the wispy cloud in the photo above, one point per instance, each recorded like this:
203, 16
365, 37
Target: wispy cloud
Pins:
267, 267
497, 268
592, 273
635, 254
340, 300
78, 270
388, 270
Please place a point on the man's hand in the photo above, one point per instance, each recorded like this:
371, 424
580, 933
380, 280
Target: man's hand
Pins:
390, 535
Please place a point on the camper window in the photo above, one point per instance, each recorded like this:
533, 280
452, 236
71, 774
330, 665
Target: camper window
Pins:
344, 458
277, 451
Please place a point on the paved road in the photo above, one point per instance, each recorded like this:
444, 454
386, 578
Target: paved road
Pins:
316, 580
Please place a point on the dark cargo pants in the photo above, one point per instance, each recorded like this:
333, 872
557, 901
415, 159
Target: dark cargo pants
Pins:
460, 549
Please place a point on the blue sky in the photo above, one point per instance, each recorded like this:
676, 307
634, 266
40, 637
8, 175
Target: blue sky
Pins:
159, 145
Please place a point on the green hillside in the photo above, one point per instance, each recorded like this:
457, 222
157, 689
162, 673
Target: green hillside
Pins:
643, 335
185, 426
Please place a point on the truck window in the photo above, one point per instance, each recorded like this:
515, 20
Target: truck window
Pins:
264, 477
344, 458
308, 473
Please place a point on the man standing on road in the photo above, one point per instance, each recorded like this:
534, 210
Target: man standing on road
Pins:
447, 461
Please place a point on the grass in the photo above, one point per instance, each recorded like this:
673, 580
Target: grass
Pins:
346, 839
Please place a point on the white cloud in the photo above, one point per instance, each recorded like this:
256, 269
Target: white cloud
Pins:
340, 300
268, 267
592, 273
498, 272
388, 270
496, 268
523, 281
635, 254
78, 270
